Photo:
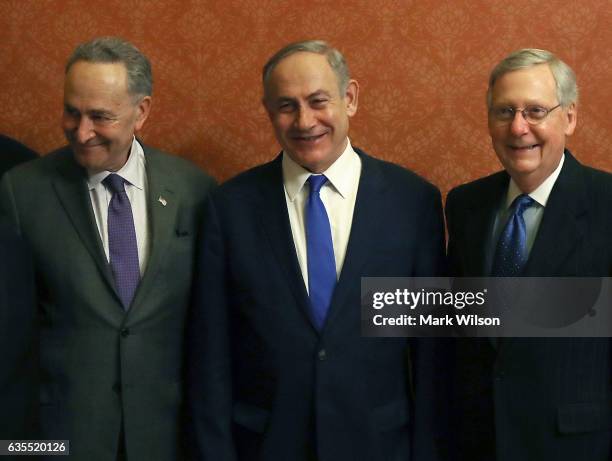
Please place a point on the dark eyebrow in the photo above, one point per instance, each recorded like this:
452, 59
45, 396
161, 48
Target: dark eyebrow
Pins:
101, 112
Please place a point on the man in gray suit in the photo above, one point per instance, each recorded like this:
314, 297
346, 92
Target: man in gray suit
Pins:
112, 225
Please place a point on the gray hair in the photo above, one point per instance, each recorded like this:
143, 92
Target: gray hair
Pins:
117, 50
334, 58
565, 78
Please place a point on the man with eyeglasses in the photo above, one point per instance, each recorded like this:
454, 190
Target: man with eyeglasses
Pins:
546, 215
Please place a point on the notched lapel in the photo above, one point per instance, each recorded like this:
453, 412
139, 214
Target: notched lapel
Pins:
71, 189
562, 229
366, 224
274, 219
479, 228
162, 208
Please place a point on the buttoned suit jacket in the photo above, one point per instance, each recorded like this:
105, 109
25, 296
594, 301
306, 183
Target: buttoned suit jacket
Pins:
535, 398
263, 382
103, 368
18, 391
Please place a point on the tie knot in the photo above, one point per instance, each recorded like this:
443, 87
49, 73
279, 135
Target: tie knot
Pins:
521, 203
316, 182
115, 183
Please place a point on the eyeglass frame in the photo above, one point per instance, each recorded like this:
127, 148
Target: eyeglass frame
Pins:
523, 112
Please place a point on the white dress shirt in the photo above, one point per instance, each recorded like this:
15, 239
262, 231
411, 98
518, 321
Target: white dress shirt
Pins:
338, 195
134, 173
533, 214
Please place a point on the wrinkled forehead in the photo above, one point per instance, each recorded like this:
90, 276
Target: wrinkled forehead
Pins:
301, 73
530, 85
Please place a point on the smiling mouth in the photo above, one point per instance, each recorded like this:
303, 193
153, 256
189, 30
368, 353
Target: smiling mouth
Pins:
311, 138
86, 146
529, 147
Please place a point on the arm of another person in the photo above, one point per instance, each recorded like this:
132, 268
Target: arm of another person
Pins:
209, 381
430, 356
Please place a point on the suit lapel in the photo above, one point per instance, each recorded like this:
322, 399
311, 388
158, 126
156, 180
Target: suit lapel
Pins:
479, 227
71, 189
274, 219
365, 225
162, 209
561, 229
480, 220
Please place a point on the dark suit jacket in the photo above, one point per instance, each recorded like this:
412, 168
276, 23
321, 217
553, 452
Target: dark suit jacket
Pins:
535, 398
264, 384
18, 391
101, 367
13, 153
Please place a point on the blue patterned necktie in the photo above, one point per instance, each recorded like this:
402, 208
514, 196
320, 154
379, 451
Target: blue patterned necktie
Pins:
511, 253
122, 245
320, 253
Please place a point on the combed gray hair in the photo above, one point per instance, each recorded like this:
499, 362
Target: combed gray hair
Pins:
114, 50
565, 78
334, 58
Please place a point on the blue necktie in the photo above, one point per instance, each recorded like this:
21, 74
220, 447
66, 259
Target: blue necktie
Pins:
122, 246
511, 253
320, 253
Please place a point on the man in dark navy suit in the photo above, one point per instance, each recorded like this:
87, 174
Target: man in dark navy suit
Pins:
533, 398
278, 367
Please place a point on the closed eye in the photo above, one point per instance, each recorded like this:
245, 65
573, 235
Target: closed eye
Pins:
319, 103
536, 111
503, 112
286, 107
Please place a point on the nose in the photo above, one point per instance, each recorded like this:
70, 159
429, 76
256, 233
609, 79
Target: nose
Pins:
305, 119
84, 130
78, 128
519, 125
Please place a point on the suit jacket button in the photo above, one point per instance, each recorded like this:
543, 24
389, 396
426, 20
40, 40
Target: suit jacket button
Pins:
125, 332
117, 388
322, 354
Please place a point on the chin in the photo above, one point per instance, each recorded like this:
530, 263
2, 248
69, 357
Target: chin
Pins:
87, 162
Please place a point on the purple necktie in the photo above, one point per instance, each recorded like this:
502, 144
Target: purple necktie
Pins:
320, 253
122, 246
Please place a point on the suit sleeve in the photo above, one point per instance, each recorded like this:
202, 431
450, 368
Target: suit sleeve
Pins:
7, 202
18, 335
453, 262
209, 380
431, 256
430, 356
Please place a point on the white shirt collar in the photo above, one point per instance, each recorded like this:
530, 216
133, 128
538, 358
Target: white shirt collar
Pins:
541, 193
295, 176
131, 171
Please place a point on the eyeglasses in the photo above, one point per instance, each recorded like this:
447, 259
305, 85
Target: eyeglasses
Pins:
532, 114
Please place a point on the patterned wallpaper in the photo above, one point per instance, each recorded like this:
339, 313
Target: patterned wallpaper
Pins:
422, 68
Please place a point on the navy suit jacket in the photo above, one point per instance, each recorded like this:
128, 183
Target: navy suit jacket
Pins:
18, 387
13, 153
535, 398
263, 382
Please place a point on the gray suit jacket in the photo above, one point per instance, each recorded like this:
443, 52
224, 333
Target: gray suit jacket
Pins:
102, 369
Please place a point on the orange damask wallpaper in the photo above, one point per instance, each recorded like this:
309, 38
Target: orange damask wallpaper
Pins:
422, 67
